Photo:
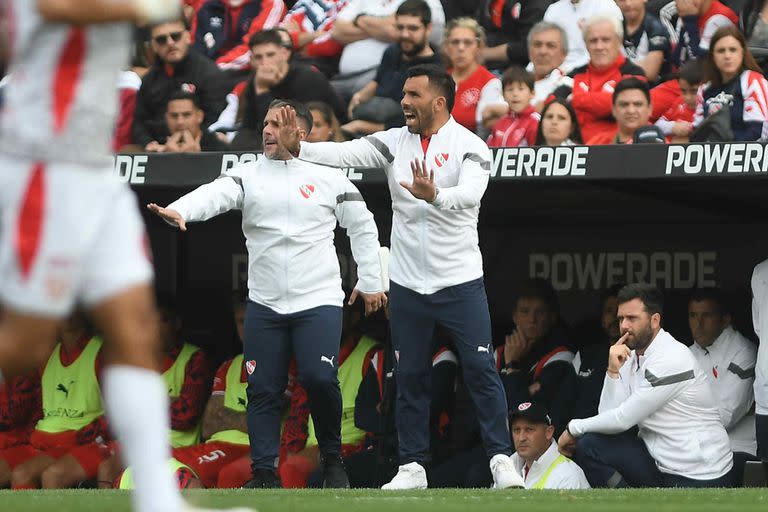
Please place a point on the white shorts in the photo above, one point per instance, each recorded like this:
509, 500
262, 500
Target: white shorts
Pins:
69, 234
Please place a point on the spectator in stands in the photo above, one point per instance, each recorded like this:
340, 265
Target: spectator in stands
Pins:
184, 120
534, 360
697, 22
479, 100
325, 126
274, 77
734, 81
518, 128
730, 359
506, 24
176, 68
760, 322
366, 28
65, 449
309, 24
20, 410
752, 21
128, 88
223, 28
593, 84
559, 125
572, 16
536, 457
677, 121
591, 360
631, 109
547, 48
646, 41
376, 106
652, 382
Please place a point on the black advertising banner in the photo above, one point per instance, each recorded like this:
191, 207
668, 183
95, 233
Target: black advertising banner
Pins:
640, 161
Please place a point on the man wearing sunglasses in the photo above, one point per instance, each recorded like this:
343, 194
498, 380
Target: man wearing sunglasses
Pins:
177, 68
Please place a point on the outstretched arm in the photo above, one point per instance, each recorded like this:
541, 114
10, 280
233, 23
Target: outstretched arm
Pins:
86, 12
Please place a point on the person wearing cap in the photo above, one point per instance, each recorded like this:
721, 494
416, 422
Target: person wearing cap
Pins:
536, 455
632, 111
654, 383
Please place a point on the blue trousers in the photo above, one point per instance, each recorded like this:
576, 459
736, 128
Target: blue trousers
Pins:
313, 337
462, 310
622, 460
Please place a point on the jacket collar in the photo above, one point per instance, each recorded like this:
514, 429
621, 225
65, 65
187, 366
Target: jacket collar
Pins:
539, 466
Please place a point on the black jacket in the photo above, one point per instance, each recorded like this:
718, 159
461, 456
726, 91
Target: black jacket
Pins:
194, 74
510, 26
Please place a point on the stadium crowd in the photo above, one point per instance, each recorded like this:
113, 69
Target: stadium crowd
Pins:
526, 73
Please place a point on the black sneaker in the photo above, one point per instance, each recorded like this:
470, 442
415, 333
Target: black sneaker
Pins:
264, 479
334, 474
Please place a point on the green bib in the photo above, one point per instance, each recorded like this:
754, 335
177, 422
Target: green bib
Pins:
350, 377
235, 398
174, 379
543, 480
126, 479
71, 394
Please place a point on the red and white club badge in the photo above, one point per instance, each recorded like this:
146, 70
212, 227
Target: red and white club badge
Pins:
250, 366
307, 190
523, 406
440, 159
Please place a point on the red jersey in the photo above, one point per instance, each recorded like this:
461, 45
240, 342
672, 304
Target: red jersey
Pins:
468, 95
515, 129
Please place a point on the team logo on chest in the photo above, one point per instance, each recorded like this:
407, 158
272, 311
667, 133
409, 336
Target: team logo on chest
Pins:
307, 190
441, 159
250, 366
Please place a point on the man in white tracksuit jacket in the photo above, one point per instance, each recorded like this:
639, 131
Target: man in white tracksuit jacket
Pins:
290, 210
437, 173
654, 383
760, 321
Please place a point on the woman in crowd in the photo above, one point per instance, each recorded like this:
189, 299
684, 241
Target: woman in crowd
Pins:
558, 125
325, 126
734, 81
479, 100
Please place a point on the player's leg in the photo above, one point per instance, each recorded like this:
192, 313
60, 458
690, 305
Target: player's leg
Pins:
463, 311
316, 336
108, 471
79, 465
266, 350
27, 474
412, 327
620, 460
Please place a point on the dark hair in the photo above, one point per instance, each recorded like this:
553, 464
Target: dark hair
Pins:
418, 8
439, 79
630, 83
184, 95
302, 112
575, 135
692, 71
612, 291
715, 295
270, 35
182, 20
517, 74
538, 288
711, 73
649, 295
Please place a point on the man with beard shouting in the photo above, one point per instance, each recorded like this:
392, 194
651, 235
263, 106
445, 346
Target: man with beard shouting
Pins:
654, 383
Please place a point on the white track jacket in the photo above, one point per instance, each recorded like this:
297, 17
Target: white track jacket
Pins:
290, 209
666, 394
435, 245
760, 322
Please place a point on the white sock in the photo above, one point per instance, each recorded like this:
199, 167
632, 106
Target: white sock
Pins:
137, 406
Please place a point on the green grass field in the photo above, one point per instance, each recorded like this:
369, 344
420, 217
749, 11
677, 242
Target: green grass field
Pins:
459, 500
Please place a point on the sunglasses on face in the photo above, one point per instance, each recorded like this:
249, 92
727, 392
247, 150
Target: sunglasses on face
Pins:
162, 39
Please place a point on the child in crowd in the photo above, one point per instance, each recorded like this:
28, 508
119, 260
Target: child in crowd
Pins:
518, 127
677, 121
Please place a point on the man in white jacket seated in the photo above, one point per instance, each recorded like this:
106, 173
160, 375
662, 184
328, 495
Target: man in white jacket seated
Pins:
729, 358
652, 382
760, 322
290, 210
536, 457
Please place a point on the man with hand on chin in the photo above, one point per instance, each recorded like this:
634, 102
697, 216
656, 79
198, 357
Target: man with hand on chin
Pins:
437, 172
654, 383
290, 210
